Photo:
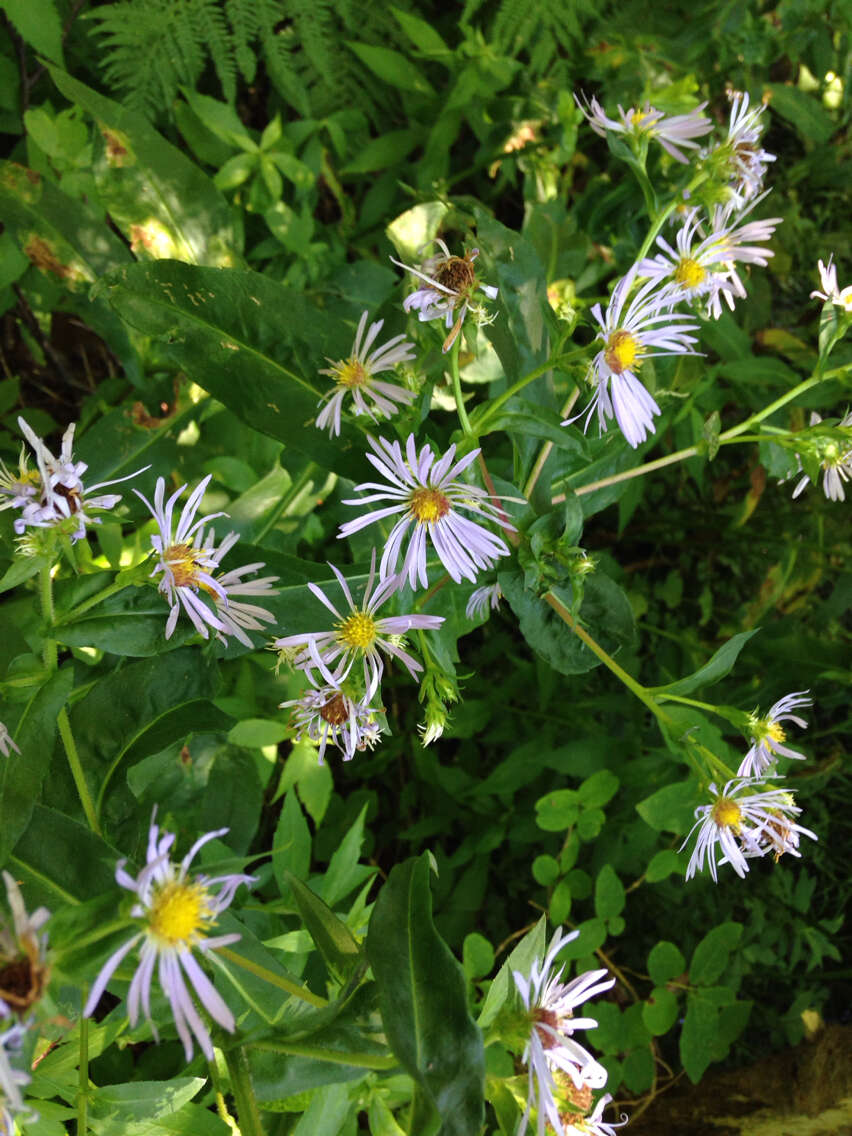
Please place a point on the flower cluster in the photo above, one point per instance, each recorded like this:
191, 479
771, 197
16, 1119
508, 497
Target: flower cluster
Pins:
674, 132
751, 815
175, 913
53, 495
557, 1064
189, 560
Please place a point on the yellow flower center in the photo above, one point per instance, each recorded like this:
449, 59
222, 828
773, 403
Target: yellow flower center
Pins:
352, 373
689, 273
623, 351
183, 559
428, 505
638, 117
358, 630
726, 813
775, 732
177, 912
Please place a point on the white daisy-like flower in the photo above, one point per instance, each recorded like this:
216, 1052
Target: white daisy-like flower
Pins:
550, 1004
673, 132
176, 913
768, 735
7, 742
359, 634
12, 1080
355, 376
23, 950
594, 1124
742, 823
54, 493
745, 159
836, 462
425, 490
489, 595
703, 267
329, 713
830, 291
189, 560
448, 291
631, 332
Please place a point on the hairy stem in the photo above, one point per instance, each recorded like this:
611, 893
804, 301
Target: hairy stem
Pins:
248, 1114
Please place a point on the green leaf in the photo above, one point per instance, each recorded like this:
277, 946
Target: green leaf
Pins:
381, 1119
39, 23
665, 962
344, 873
559, 907
813, 123
698, 1036
598, 790
531, 947
291, 845
477, 955
671, 809
384, 151
660, 1011
332, 937
609, 893
326, 1113
255, 733
161, 200
545, 870
557, 810
393, 67
717, 667
663, 864
590, 823
226, 329
422, 999
421, 33
711, 955
638, 1069
22, 774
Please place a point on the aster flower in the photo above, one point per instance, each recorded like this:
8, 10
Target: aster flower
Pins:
768, 735
742, 822
176, 913
425, 491
355, 376
360, 633
630, 333
550, 1004
12, 1080
328, 712
594, 1124
450, 284
489, 595
703, 267
673, 132
744, 158
7, 742
835, 460
23, 967
54, 493
830, 291
189, 561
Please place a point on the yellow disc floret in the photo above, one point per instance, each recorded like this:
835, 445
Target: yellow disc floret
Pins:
428, 505
689, 273
726, 813
623, 351
185, 563
351, 374
358, 630
178, 911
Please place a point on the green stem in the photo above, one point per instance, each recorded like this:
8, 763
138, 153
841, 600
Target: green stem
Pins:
292, 494
636, 688
51, 660
221, 1106
298, 1049
248, 1114
492, 408
544, 452
457, 391
663, 216
273, 979
92, 601
83, 1074
685, 701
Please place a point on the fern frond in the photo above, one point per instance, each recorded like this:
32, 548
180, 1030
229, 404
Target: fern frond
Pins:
211, 28
246, 18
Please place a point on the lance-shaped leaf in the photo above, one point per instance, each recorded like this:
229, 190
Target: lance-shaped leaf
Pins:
333, 938
422, 1000
247, 340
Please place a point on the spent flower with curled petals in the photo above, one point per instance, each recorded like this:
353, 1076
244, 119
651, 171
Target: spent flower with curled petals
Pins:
768, 735
189, 562
632, 332
360, 634
448, 289
489, 595
332, 712
175, 913
53, 496
830, 292
550, 1004
7, 742
23, 950
425, 489
740, 821
740, 158
593, 1124
355, 376
674, 132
